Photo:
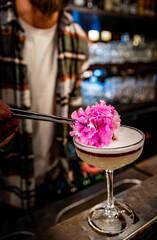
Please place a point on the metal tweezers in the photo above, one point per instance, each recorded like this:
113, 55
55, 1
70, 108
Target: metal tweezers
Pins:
40, 116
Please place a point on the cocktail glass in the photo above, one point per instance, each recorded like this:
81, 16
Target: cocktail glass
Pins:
112, 217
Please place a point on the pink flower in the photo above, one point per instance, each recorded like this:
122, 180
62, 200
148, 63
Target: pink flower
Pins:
100, 122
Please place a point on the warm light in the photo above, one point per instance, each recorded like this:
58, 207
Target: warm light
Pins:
93, 35
79, 2
137, 40
106, 36
87, 74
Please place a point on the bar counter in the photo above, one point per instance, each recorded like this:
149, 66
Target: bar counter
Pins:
67, 218
142, 198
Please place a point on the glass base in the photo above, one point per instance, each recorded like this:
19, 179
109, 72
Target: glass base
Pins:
111, 221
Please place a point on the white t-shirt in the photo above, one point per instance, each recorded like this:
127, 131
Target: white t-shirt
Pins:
40, 53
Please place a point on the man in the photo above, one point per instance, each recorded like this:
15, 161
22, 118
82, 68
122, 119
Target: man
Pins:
42, 56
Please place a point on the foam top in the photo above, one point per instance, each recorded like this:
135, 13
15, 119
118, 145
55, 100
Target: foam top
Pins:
127, 139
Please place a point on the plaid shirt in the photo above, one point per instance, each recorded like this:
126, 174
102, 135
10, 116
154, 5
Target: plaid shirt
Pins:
17, 181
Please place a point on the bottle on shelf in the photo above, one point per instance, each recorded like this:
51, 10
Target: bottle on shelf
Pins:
93, 3
126, 6
100, 4
117, 5
141, 7
146, 7
133, 7
89, 3
108, 5
152, 6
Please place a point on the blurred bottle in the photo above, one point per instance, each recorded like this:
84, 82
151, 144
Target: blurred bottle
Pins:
133, 7
152, 5
100, 4
92, 4
146, 7
126, 6
117, 5
141, 10
89, 3
108, 5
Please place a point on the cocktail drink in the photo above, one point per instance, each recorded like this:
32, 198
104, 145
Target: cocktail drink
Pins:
122, 151
112, 217
101, 142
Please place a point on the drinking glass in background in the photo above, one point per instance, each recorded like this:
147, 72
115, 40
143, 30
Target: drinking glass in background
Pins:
119, 90
92, 91
119, 52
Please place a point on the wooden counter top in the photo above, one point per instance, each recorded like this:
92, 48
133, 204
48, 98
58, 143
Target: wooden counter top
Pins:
141, 198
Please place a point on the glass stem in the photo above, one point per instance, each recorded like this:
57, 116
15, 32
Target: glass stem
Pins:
109, 177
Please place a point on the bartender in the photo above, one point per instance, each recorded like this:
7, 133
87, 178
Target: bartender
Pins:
43, 54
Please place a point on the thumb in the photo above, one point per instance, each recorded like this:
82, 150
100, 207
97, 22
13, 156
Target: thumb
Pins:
5, 113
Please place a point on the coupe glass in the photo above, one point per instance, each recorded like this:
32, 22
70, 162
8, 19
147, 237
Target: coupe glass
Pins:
112, 217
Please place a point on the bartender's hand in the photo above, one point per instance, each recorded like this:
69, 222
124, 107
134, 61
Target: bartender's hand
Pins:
8, 125
86, 168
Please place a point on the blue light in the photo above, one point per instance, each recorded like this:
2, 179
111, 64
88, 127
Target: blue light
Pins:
125, 38
95, 23
98, 72
76, 16
93, 79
